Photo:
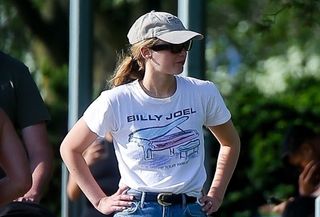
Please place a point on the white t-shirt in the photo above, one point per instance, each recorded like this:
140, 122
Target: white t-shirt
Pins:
159, 143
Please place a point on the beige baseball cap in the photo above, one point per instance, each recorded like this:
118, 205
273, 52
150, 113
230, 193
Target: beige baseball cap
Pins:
161, 25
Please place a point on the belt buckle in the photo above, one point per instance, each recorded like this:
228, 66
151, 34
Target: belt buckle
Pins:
161, 199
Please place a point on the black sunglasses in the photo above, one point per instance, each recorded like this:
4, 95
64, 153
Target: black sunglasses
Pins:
174, 48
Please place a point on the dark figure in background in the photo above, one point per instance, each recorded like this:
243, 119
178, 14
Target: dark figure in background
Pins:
21, 100
103, 164
301, 149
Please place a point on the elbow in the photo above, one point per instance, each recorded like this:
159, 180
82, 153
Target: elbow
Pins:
62, 151
238, 145
237, 142
72, 196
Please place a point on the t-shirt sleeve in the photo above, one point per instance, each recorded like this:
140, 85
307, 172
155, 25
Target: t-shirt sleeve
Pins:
30, 106
216, 112
99, 116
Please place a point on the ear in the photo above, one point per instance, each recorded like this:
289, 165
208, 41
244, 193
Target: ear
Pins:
146, 52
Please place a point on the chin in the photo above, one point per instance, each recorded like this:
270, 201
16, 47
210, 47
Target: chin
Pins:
178, 72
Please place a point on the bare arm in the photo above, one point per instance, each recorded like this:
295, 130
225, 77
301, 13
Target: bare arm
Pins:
18, 176
228, 156
93, 153
40, 155
74, 144
72, 147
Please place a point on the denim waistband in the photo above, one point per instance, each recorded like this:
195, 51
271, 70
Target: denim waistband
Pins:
163, 198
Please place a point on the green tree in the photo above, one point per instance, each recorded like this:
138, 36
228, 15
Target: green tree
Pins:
275, 86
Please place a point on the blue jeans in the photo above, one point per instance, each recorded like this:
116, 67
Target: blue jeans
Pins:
141, 208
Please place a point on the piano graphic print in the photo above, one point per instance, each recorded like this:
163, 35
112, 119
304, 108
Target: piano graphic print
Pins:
170, 137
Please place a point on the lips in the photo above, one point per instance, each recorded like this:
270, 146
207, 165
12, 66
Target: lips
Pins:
181, 62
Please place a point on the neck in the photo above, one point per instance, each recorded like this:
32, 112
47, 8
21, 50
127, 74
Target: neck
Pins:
160, 87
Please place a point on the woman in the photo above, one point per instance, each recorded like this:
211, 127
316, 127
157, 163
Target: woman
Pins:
14, 162
156, 117
301, 150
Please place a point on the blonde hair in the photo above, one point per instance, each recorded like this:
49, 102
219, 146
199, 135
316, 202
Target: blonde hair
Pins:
131, 65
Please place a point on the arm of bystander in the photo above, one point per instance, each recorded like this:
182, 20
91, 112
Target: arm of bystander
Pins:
14, 162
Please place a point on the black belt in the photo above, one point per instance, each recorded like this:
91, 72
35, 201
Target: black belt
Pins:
166, 199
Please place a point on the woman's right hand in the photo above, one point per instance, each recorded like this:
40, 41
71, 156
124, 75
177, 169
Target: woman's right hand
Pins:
116, 202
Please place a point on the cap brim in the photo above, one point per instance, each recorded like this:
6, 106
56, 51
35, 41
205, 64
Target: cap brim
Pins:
178, 37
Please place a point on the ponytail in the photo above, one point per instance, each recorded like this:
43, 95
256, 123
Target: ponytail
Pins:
131, 66
128, 70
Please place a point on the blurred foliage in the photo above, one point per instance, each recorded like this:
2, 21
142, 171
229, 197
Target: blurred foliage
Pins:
262, 121
262, 54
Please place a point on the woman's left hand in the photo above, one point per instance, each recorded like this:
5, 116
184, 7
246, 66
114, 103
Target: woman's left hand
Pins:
116, 202
209, 204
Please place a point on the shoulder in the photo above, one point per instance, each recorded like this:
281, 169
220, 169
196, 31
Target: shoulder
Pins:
196, 84
117, 92
13, 69
7, 61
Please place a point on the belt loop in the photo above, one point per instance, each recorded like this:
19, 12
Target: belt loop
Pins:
143, 196
184, 200
164, 211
